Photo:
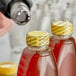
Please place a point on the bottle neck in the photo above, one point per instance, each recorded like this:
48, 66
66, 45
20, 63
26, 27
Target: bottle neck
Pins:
62, 36
39, 49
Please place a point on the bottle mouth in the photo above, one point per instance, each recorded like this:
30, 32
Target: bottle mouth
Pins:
22, 17
20, 13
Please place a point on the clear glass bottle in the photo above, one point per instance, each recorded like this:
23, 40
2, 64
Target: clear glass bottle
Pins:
45, 17
17, 42
56, 12
68, 12
37, 58
63, 45
73, 6
74, 17
42, 15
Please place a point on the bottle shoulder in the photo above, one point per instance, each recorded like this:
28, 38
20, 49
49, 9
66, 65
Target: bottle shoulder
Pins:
45, 53
68, 48
40, 58
62, 38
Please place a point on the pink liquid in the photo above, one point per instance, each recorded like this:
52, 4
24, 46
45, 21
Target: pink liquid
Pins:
68, 66
67, 60
56, 45
36, 64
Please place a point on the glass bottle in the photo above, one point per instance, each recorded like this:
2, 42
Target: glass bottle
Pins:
63, 45
37, 58
73, 7
41, 15
45, 16
68, 12
74, 17
17, 42
60, 35
18, 10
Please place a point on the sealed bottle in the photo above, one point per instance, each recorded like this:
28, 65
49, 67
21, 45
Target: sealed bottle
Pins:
64, 47
18, 10
74, 16
68, 12
61, 30
37, 59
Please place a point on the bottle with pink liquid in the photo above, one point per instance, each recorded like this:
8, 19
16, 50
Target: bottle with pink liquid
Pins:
65, 45
67, 60
61, 31
67, 55
37, 59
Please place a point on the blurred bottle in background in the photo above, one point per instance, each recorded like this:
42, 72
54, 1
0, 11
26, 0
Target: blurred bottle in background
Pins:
46, 16
41, 16
74, 17
35, 18
55, 12
68, 12
4, 48
17, 42
72, 3
47, 8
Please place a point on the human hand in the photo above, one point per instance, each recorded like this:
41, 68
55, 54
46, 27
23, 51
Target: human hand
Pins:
5, 24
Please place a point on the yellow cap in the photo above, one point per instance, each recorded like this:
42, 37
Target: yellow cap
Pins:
37, 38
62, 28
8, 68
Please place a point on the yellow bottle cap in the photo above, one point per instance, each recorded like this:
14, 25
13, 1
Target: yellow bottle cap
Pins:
62, 27
8, 68
37, 38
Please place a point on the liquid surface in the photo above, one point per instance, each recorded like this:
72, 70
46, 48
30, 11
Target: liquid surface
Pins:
56, 44
36, 64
